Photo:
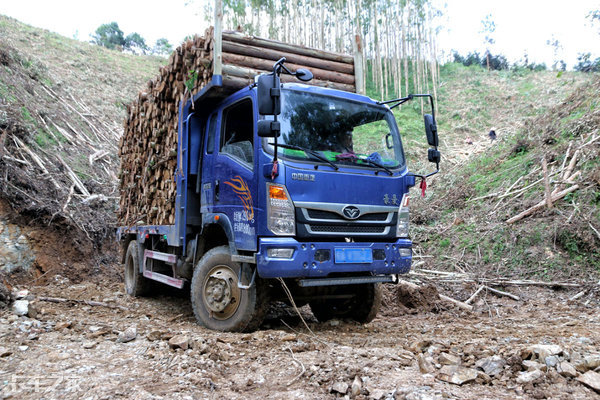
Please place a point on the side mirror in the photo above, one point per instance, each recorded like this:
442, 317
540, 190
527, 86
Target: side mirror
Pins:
267, 128
431, 130
303, 74
434, 156
268, 91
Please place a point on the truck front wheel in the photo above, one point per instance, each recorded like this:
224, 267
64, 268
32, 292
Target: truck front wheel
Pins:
361, 307
135, 283
218, 302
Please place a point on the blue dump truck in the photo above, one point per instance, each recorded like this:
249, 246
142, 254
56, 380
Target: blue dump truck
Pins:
283, 190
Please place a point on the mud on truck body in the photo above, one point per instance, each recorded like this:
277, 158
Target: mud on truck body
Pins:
281, 187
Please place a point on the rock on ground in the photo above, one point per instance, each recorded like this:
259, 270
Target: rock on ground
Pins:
456, 374
591, 379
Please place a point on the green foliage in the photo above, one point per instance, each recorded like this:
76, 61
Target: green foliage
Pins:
488, 29
43, 139
162, 47
27, 115
109, 36
594, 17
497, 62
586, 64
5, 93
136, 43
191, 80
112, 37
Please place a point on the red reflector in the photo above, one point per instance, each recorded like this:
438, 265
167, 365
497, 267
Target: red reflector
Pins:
147, 236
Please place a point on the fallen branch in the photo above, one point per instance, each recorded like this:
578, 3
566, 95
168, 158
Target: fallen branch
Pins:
87, 302
474, 295
71, 191
541, 204
501, 293
453, 277
578, 295
36, 159
74, 178
594, 229
17, 160
97, 155
571, 165
546, 183
291, 298
301, 366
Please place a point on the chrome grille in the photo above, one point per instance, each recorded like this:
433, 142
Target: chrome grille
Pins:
347, 229
321, 214
328, 220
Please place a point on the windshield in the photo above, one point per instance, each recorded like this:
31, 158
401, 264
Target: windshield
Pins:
343, 131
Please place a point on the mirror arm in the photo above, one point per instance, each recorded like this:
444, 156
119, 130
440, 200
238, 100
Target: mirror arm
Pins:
402, 100
437, 169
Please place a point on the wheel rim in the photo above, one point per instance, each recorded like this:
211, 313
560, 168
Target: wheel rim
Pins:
220, 292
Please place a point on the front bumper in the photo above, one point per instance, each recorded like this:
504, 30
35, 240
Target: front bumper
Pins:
318, 259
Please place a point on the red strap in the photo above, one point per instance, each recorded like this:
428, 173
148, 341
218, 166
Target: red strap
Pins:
274, 170
423, 186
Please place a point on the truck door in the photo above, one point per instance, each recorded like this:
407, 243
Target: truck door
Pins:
234, 191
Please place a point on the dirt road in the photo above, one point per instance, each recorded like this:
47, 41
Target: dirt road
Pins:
133, 349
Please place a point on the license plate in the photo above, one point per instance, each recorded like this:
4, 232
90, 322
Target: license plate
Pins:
347, 255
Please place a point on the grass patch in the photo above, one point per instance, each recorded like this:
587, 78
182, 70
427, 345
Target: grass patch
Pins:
44, 139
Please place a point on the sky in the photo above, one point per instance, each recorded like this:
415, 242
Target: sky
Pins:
522, 26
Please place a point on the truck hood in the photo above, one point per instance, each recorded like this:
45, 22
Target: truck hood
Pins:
347, 185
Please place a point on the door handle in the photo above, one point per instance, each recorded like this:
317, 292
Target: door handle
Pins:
216, 190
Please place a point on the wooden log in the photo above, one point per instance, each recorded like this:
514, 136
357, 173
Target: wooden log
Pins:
267, 65
238, 37
246, 77
150, 127
275, 55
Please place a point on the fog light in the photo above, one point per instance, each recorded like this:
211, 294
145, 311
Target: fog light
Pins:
280, 253
405, 252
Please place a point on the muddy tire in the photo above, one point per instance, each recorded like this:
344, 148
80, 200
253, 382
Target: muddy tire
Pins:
135, 283
363, 307
217, 301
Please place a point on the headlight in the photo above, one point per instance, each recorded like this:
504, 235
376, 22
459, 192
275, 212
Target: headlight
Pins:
403, 218
280, 210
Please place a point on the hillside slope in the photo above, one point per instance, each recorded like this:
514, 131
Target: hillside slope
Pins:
466, 223
61, 112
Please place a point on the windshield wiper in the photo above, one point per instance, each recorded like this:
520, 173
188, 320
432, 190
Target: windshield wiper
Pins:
312, 153
378, 165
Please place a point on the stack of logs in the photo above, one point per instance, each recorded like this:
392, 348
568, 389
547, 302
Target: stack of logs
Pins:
148, 147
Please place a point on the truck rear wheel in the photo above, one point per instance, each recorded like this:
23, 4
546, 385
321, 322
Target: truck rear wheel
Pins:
135, 283
362, 307
217, 301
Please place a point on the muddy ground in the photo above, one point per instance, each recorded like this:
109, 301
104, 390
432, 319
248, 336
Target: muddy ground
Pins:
537, 347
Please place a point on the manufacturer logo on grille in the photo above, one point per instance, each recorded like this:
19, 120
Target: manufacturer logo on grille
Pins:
351, 212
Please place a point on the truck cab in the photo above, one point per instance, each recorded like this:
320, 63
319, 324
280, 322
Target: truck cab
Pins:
314, 211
